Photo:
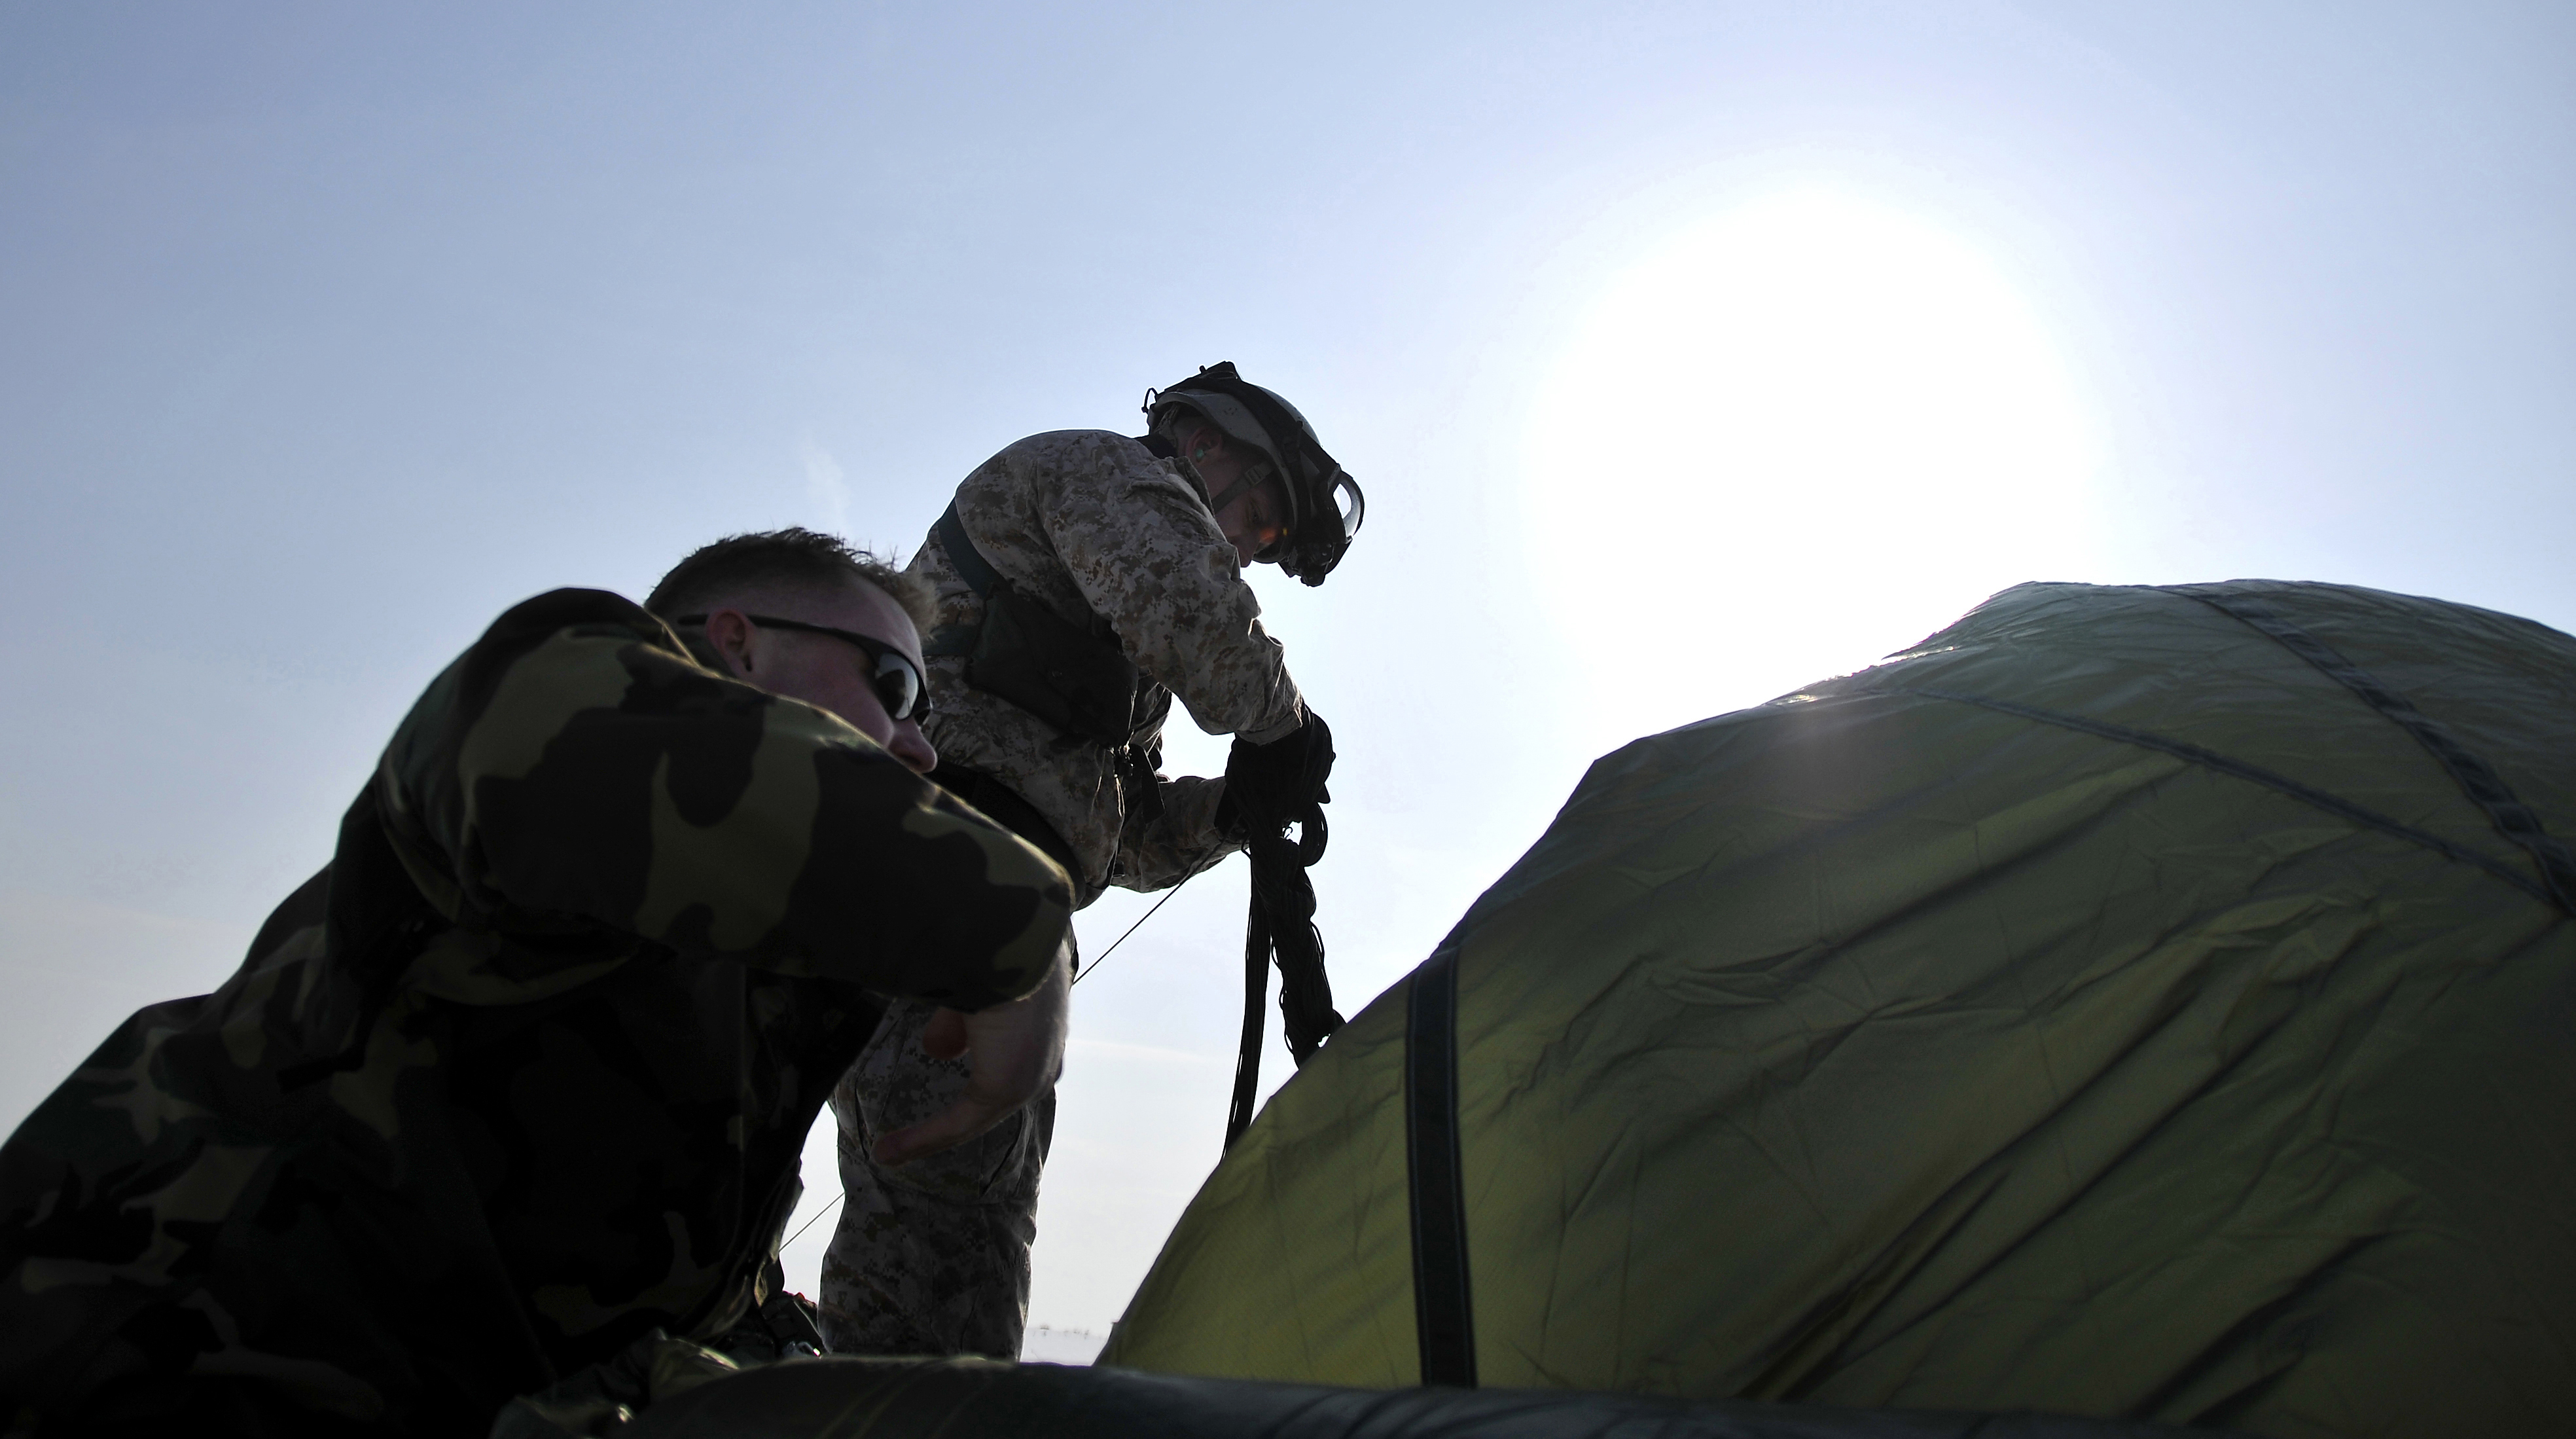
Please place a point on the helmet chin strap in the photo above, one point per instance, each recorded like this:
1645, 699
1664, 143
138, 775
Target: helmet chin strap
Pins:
1242, 486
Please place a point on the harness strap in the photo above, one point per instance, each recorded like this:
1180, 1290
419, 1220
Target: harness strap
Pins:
974, 569
963, 557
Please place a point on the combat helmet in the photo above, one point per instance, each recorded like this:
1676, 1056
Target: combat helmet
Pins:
1321, 521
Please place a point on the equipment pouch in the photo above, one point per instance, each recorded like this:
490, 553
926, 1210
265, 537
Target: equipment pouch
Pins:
1033, 657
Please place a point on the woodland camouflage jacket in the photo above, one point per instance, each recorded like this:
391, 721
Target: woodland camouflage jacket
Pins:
522, 1075
1092, 523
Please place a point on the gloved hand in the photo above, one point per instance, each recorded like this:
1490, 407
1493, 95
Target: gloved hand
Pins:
1269, 787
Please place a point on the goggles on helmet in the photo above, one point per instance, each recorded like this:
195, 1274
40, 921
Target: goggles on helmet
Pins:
1325, 505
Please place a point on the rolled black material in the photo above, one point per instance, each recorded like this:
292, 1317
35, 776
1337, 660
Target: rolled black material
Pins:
1274, 786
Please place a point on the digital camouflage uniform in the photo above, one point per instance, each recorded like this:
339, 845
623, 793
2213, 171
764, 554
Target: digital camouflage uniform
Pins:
522, 1075
934, 1257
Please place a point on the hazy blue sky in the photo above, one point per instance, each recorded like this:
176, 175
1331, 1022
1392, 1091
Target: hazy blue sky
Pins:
1687, 352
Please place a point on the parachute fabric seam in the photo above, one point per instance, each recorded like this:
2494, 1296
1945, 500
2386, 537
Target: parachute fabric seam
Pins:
2307, 794
2476, 778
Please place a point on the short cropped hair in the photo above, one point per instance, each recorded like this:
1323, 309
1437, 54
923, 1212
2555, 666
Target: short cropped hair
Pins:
792, 558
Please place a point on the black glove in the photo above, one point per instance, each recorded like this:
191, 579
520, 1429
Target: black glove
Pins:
1269, 787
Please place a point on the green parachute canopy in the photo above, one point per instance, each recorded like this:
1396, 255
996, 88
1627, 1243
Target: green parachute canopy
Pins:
2133, 1002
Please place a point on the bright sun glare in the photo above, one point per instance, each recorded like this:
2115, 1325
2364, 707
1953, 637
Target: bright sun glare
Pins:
1797, 438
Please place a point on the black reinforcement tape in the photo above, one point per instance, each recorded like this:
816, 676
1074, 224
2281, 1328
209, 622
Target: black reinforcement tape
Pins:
2476, 778
1444, 1319
2310, 794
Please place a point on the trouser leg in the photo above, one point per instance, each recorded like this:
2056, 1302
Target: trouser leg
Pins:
931, 1257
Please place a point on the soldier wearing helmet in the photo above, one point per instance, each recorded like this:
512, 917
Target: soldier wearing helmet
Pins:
1083, 581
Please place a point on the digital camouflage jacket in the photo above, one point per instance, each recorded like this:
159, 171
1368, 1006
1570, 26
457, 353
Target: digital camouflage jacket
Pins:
1092, 523
522, 1075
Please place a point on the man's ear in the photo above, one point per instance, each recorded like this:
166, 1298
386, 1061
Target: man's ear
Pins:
730, 633
1207, 442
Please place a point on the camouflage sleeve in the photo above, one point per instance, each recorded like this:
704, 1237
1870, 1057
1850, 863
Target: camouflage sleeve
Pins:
577, 764
1147, 556
1176, 843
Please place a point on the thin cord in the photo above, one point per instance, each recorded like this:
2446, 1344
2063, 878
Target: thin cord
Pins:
1077, 979
1140, 921
810, 1223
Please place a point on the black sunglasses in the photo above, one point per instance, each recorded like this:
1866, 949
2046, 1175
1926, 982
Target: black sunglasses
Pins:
900, 685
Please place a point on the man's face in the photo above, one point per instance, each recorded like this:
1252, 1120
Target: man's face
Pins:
1254, 520
828, 673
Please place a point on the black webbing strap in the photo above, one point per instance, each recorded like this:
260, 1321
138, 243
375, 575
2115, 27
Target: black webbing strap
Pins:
2476, 778
1247, 1049
974, 569
2308, 794
963, 557
1444, 1320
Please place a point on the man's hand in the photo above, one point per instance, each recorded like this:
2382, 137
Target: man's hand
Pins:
1271, 786
1013, 1051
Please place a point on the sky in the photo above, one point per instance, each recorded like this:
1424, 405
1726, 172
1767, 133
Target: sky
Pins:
1688, 353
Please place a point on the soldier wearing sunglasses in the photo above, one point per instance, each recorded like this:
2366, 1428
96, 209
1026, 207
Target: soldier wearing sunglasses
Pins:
882, 691
522, 1077
1085, 581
